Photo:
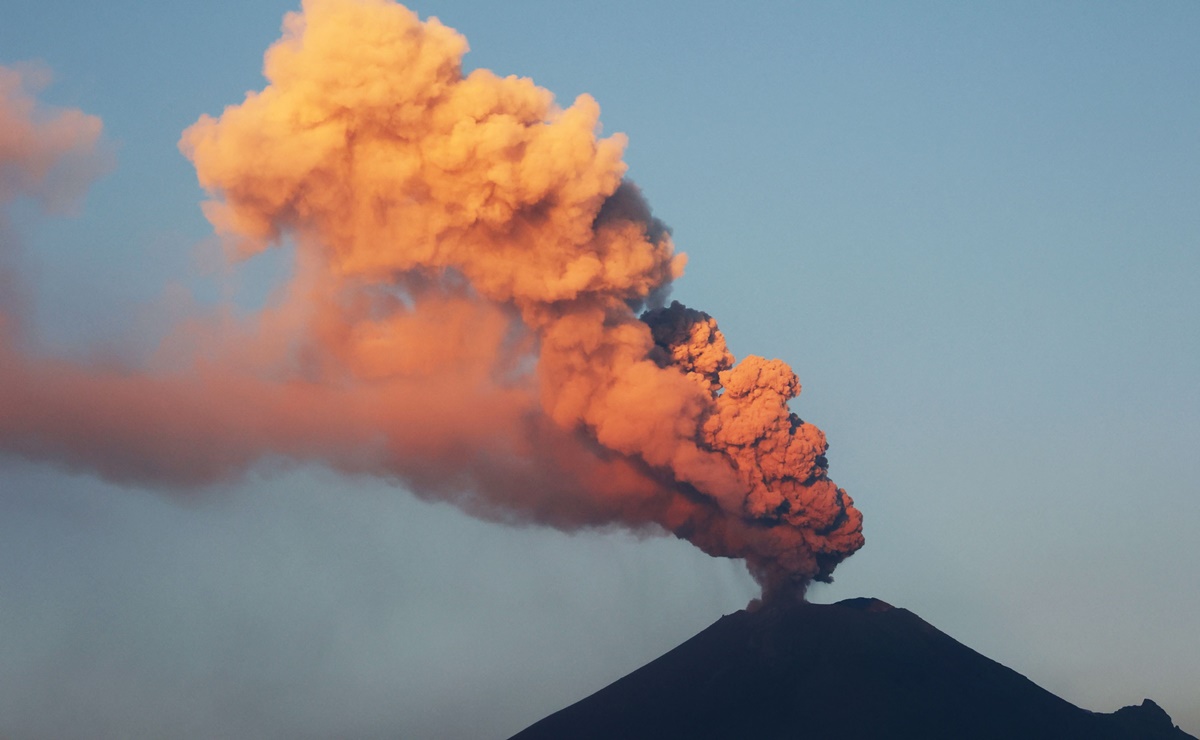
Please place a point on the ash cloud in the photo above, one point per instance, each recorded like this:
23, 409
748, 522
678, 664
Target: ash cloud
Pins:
463, 316
48, 156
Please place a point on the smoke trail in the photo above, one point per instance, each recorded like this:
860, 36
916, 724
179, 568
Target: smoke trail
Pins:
46, 155
464, 317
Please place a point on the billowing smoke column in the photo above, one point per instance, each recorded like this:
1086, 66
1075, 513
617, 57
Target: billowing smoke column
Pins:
464, 318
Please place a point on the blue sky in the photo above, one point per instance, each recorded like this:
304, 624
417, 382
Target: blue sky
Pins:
971, 230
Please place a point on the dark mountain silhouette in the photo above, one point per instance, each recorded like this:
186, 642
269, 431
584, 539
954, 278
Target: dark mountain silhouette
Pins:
856, 669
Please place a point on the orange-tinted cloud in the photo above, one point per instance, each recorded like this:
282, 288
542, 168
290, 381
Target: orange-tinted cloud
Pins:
45, 153
48, 155
464, 317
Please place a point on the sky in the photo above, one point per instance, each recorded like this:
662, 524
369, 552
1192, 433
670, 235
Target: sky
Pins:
971, 231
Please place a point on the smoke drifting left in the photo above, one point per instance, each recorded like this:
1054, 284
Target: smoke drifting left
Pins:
477, 311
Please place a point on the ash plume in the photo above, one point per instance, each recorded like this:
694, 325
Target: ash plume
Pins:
48, 156
475, 312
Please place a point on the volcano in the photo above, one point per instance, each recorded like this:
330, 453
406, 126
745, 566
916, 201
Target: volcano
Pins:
859, 668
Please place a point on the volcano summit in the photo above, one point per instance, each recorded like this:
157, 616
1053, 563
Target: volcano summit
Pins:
859, 668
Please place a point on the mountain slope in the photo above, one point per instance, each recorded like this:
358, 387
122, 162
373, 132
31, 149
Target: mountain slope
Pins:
856, 669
